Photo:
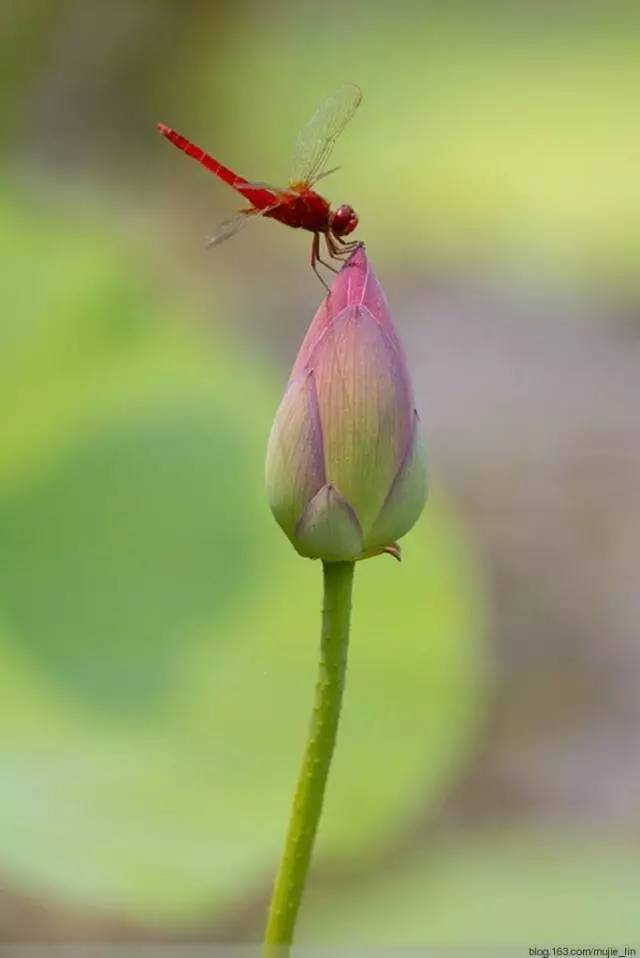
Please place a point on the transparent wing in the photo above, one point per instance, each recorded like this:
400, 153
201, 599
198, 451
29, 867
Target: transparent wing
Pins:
234, 224
317, 139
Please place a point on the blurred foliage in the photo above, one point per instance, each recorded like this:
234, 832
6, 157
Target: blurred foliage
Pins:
158, 634
499, 889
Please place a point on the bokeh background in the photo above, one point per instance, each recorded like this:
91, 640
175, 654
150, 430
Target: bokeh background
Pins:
157, 633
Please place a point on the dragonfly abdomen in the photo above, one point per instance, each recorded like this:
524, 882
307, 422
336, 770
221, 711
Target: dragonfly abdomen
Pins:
205, 159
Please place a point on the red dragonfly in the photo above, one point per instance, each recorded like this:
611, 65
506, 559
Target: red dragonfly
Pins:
297, 205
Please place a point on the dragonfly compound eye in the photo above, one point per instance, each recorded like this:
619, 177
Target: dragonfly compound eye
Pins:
344, 220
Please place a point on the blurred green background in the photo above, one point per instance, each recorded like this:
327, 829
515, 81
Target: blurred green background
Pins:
158, 634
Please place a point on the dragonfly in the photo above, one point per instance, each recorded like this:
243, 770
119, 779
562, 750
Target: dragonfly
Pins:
298, 205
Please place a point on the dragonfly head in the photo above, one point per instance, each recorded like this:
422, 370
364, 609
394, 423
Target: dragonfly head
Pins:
343, 221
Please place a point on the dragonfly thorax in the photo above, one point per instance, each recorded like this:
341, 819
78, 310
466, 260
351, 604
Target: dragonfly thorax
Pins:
343, 221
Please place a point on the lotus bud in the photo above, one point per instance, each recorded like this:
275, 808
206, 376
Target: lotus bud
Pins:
346, 474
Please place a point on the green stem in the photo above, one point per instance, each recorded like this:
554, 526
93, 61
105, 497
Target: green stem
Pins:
309, 795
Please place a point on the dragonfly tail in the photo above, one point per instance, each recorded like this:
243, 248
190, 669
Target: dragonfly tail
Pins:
258, 196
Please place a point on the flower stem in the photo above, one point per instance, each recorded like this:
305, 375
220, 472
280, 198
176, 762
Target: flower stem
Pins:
309, 795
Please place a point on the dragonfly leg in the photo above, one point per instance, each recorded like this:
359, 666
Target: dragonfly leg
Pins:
348, 245
321, 260
315, 258
335, 251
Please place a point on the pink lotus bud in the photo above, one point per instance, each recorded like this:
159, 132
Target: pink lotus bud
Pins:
346, 472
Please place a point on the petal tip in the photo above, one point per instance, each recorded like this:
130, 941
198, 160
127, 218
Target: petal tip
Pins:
329, 529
